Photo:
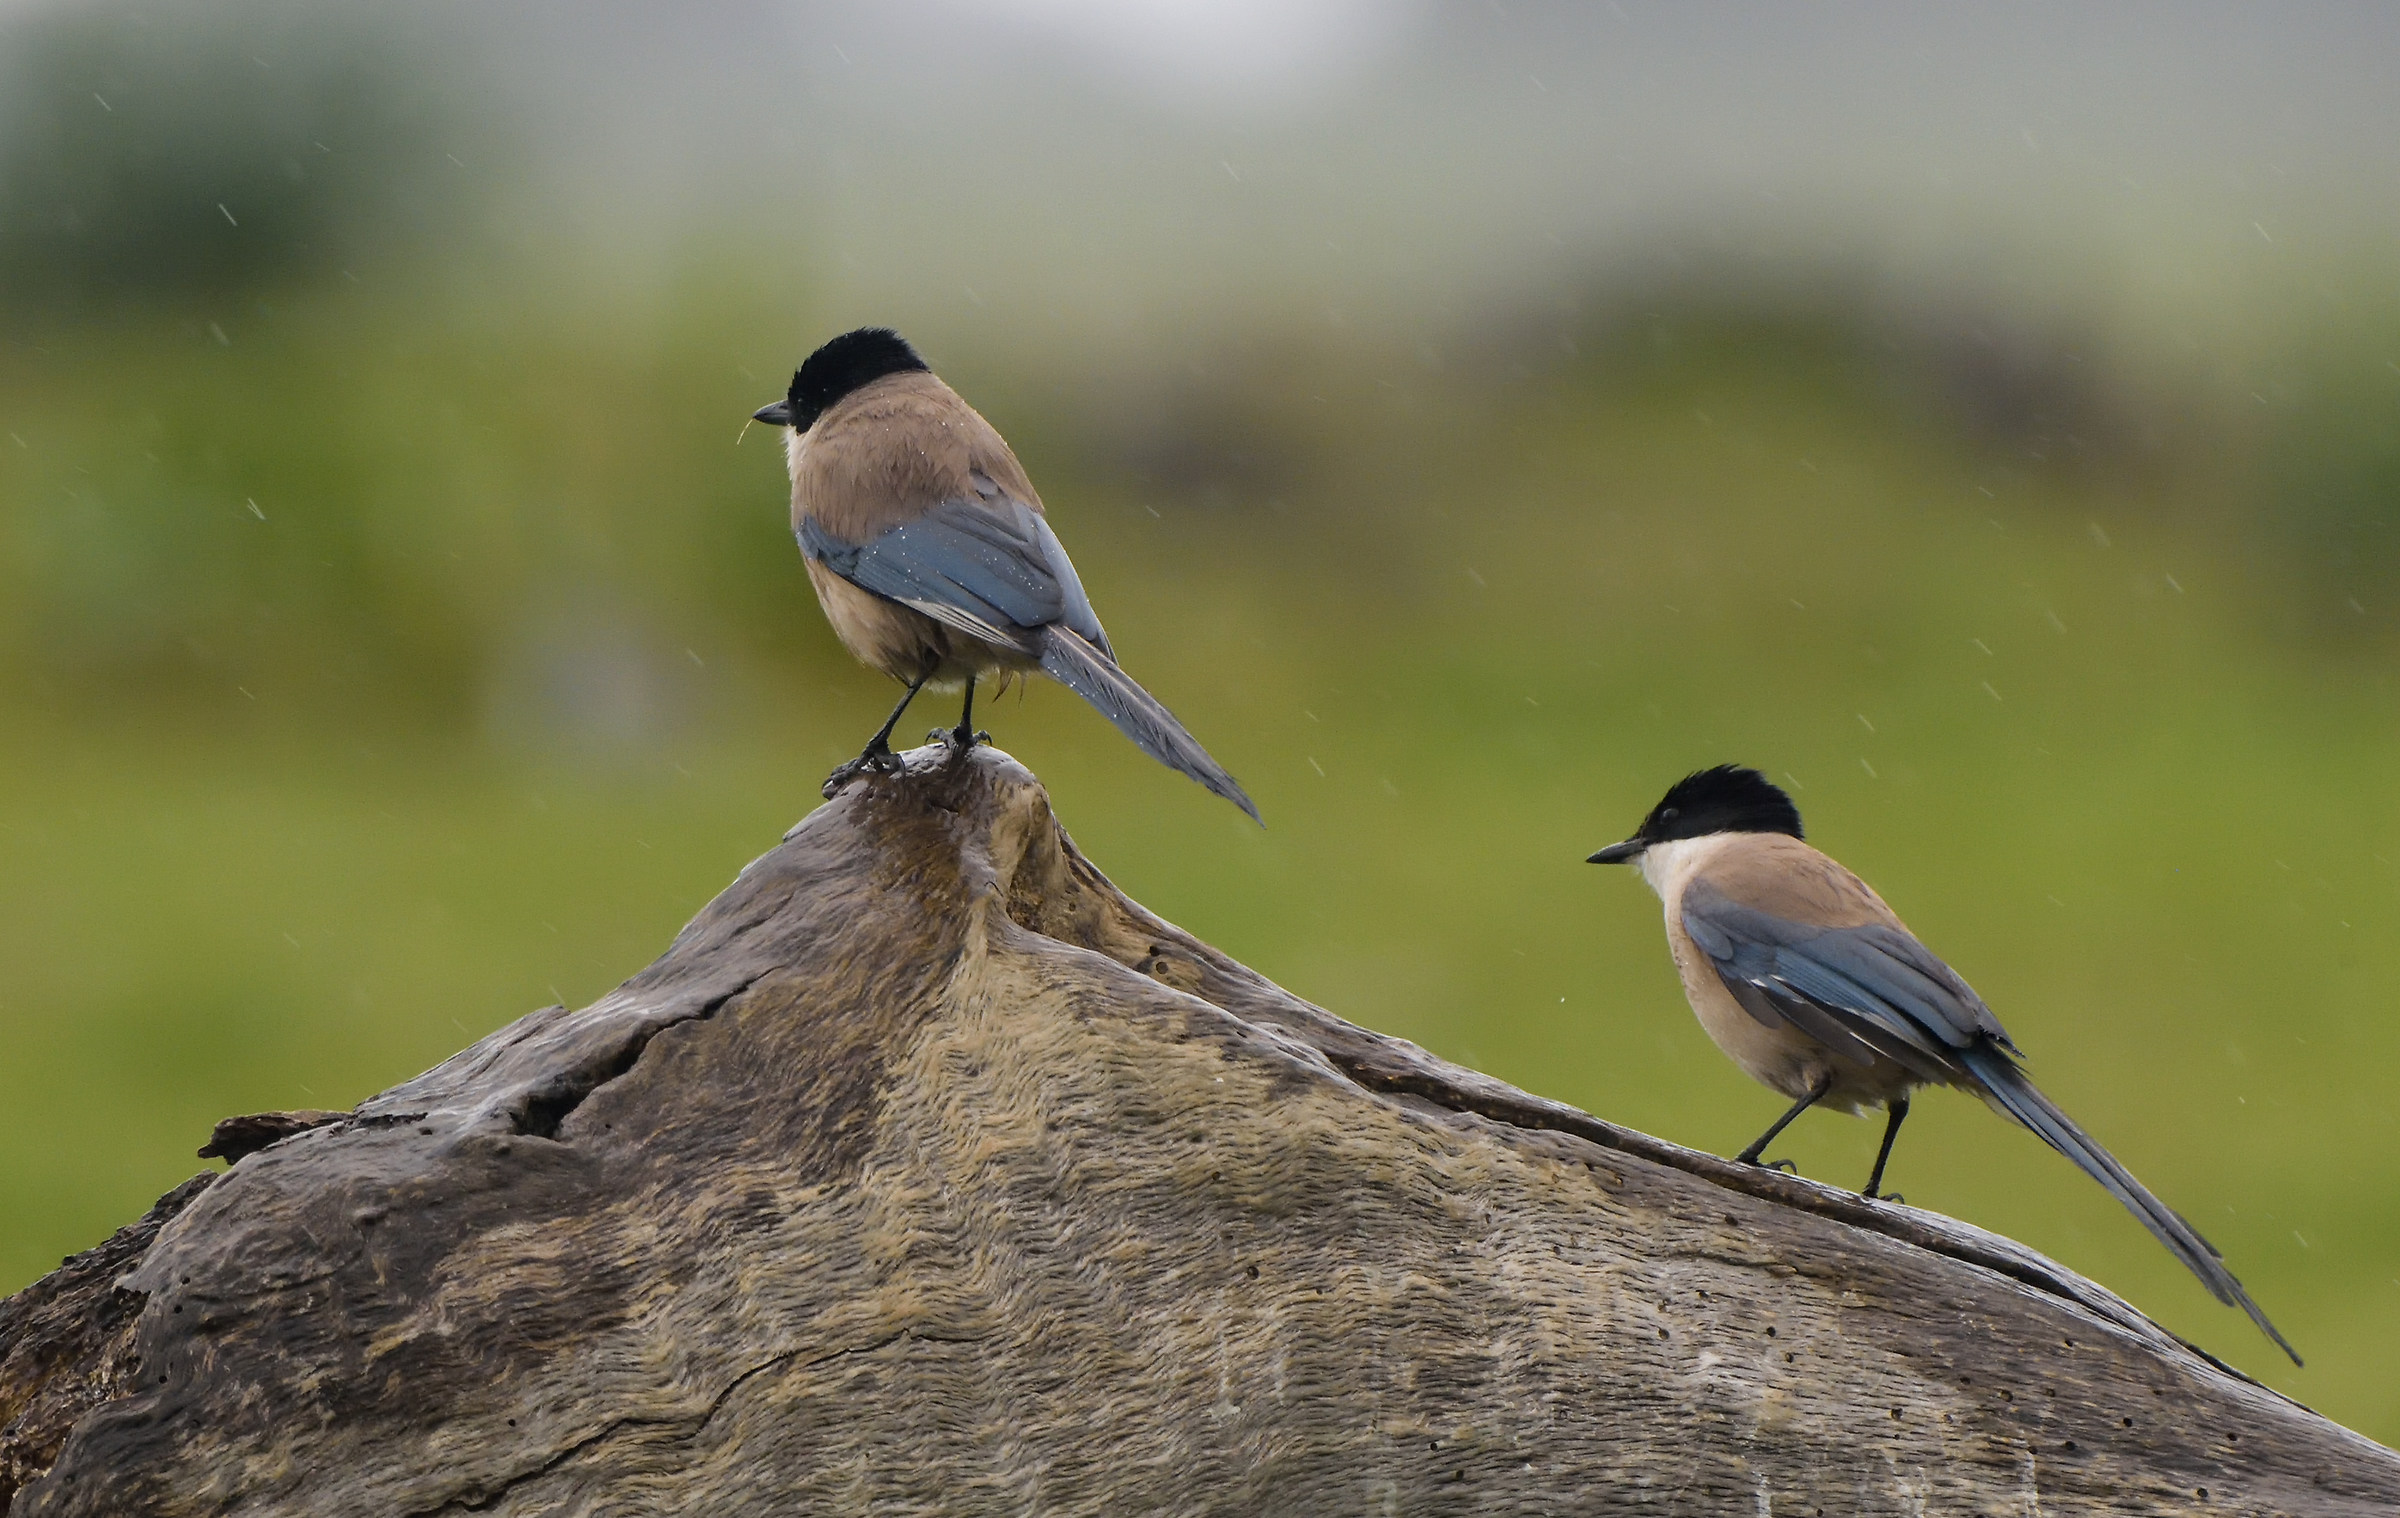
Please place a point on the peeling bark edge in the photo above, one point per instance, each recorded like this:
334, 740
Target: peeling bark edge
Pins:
237, 1138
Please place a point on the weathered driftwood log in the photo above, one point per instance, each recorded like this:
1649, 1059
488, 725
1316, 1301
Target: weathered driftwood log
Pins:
927, 1173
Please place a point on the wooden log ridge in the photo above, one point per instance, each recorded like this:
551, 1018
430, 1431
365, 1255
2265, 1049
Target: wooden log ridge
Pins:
926, 1173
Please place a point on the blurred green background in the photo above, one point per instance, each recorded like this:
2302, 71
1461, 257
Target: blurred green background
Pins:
1468, 418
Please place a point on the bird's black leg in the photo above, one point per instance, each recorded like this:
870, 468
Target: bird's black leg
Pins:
964, 737
877, 757
1815, 1095
881, 743
1898, 1107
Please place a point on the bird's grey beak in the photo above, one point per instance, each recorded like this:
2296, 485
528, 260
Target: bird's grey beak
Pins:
774, 414
1618, 853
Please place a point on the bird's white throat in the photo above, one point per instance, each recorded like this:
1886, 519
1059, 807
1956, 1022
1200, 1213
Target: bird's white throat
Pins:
1666, 866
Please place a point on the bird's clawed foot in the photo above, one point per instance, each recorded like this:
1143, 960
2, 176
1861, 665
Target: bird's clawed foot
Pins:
1893, 1197
958, 740
877, 760
1786, 1166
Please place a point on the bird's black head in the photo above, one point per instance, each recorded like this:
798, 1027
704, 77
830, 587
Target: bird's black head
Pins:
849, 362
1727, 799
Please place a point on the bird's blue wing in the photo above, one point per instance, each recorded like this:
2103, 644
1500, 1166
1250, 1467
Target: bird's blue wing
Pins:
1860, 991
990, 567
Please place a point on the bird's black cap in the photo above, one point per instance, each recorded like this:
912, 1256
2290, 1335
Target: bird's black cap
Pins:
1727, 799
849, 362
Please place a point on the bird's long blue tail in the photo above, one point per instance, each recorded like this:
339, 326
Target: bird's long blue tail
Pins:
1091, 674
2007, 1087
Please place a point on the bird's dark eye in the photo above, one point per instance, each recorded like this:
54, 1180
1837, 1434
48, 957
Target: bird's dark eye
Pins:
1670, 814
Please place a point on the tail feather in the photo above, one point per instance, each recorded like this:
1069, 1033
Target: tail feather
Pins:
2007, 1087
1077, 665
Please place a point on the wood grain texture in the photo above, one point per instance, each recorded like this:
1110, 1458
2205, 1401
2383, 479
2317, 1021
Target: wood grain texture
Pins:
66, 1343
926, 1173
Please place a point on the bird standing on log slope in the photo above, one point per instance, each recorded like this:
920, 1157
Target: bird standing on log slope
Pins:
1806, 980
931, 555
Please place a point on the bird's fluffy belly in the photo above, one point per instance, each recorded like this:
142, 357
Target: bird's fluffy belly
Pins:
904, 642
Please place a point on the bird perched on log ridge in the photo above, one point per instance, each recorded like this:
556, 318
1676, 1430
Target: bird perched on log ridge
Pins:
1806, 980
931, 556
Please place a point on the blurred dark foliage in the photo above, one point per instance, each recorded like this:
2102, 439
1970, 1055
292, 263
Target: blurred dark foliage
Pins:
2328, 506
2029, 384
155, 153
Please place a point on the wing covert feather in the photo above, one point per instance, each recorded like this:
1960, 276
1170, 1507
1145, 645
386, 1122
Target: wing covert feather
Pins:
1863, 990
990, 568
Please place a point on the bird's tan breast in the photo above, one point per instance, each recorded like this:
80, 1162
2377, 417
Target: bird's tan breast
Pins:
1780, 1058
1773, 873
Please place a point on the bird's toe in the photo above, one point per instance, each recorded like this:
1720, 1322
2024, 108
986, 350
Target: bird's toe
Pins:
872, 762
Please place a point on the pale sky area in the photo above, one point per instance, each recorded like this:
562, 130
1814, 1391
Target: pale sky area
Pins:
1126, 167
1098, 159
